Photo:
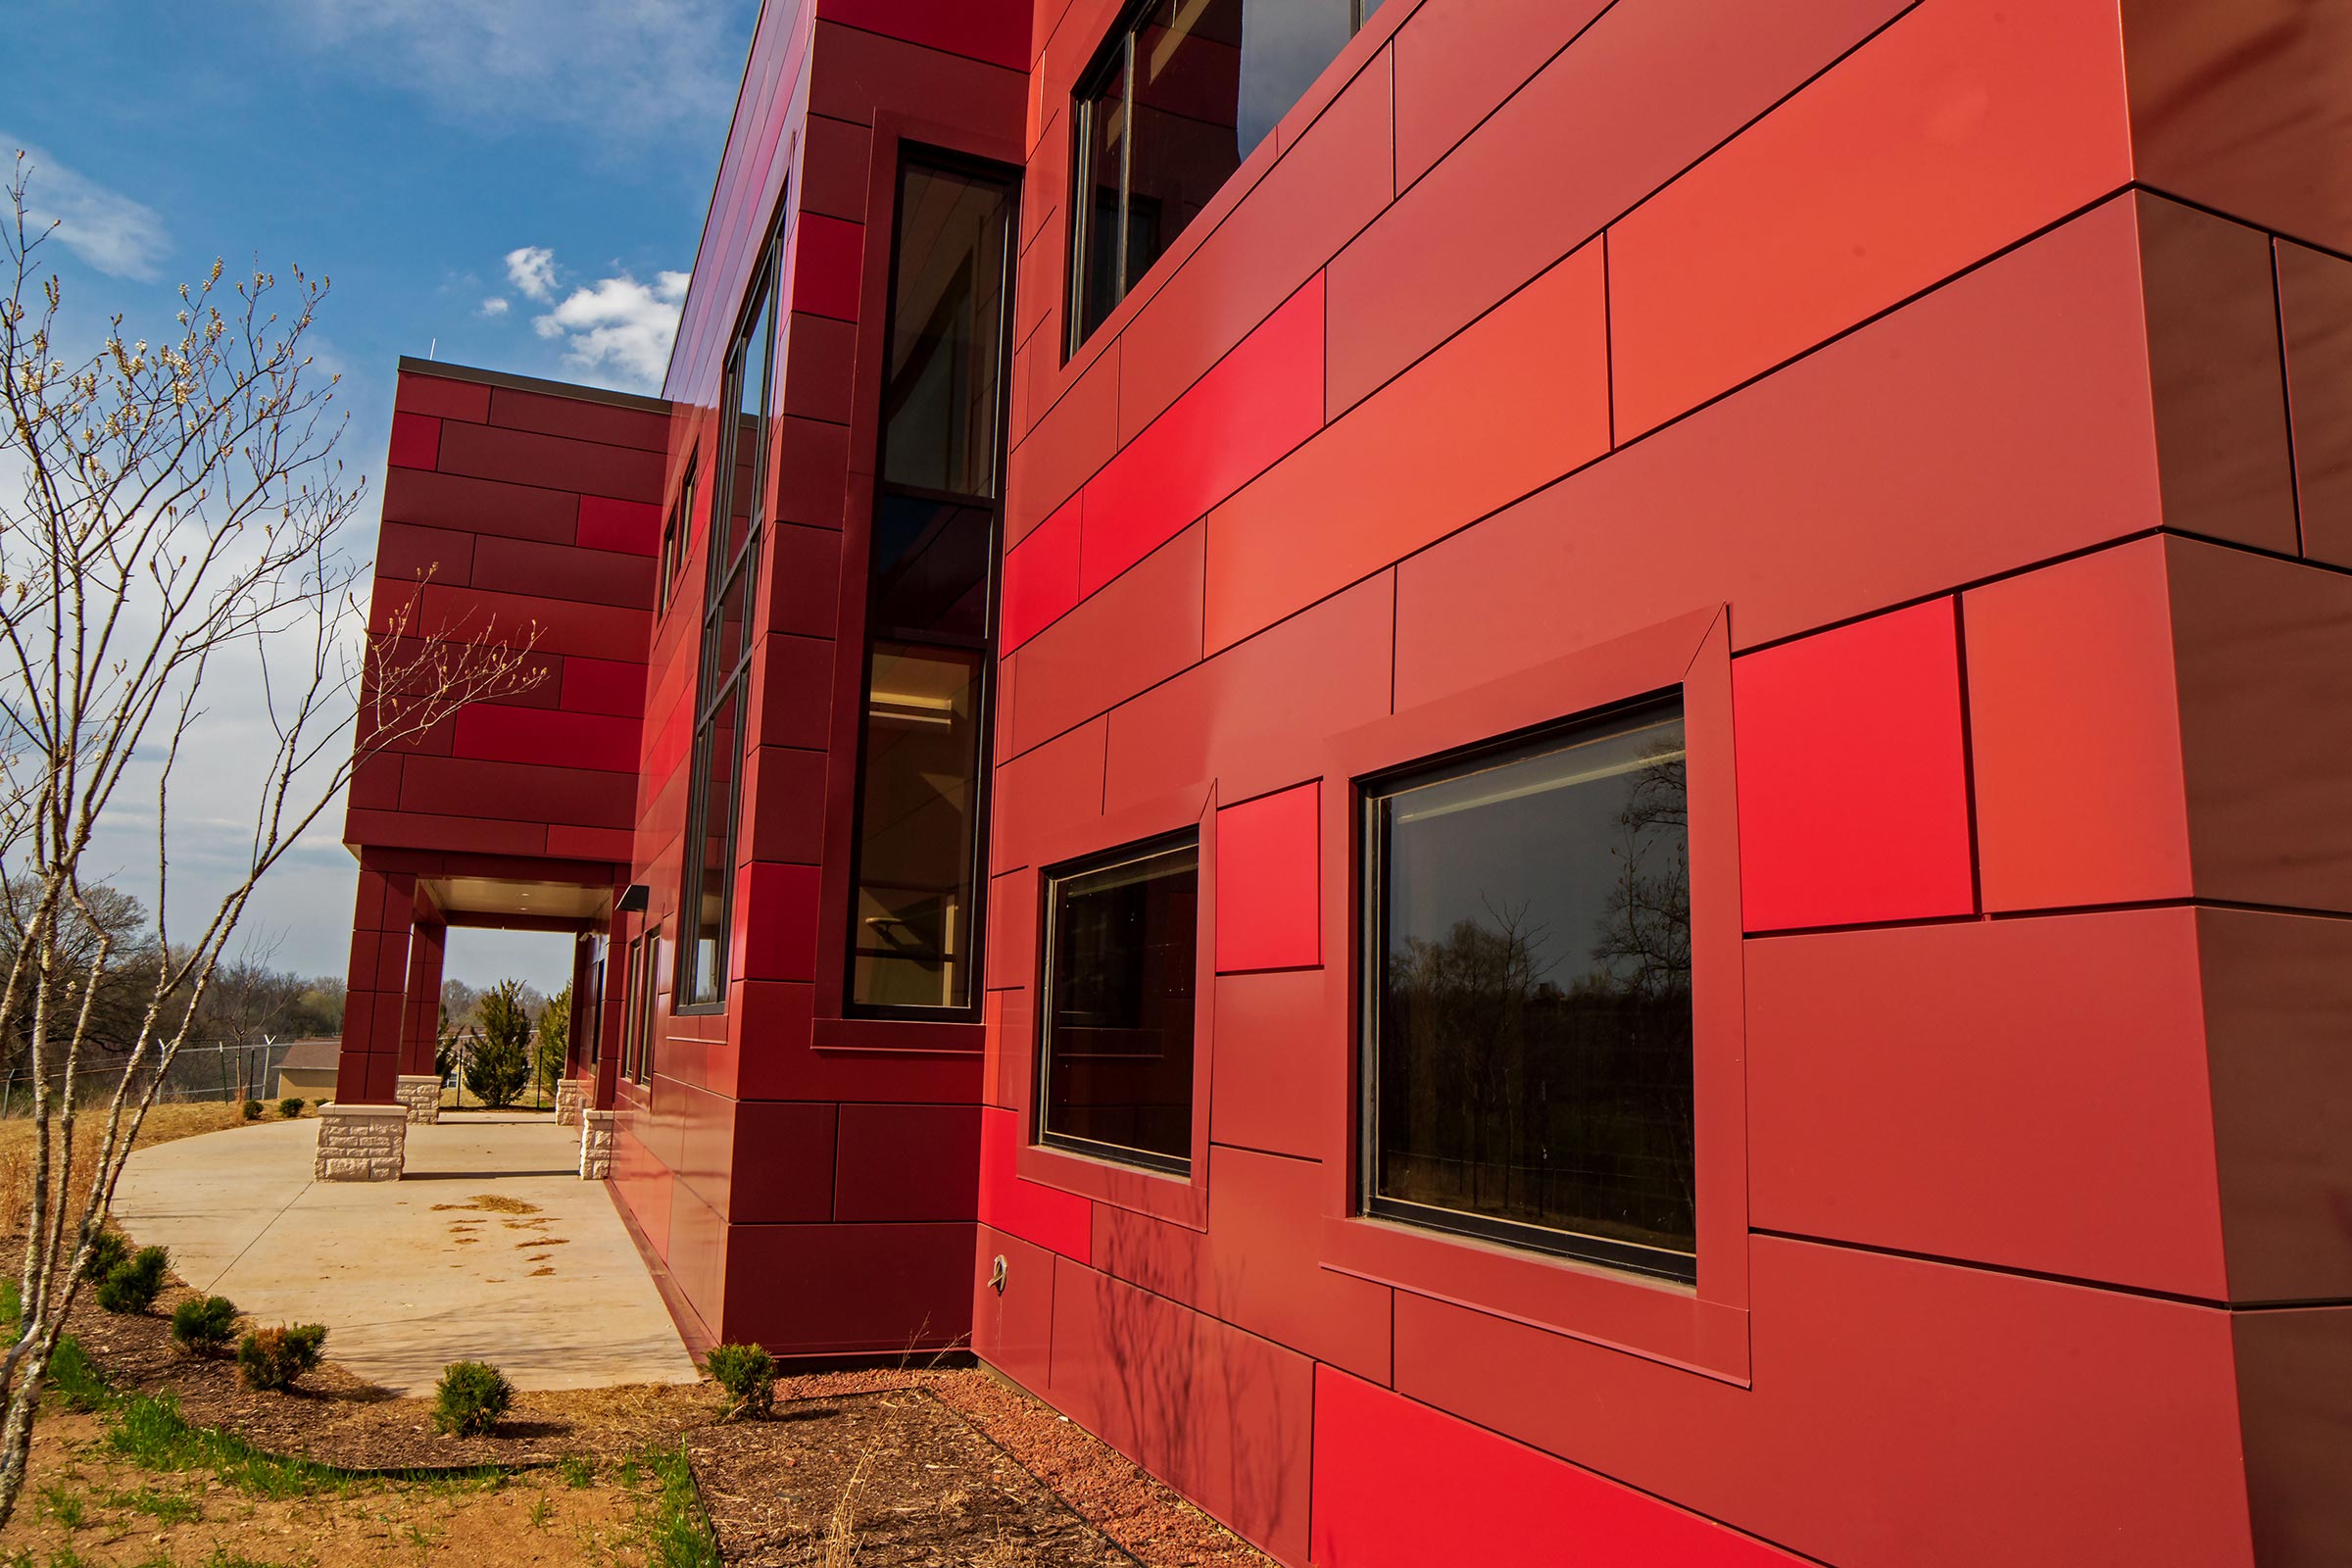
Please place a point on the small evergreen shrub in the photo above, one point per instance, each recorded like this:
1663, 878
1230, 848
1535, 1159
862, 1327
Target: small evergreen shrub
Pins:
253, 1111
274, 1358
205, 1324
291, 1106
748, 1373
132, 1287
108, 1252
473, 1395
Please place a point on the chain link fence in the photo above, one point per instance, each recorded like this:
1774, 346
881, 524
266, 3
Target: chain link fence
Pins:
218, 1072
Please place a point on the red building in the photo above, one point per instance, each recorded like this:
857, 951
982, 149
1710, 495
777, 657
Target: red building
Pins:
1527, 780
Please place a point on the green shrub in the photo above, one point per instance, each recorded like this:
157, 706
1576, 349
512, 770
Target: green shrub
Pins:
109, 1251
253, 1111
748, 1373
205, 1323
291, 1106
132, 1287
473, 1395
500, 1062
274, 1359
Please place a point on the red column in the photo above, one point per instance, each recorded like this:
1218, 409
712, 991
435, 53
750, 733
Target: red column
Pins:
620, 995
577, 1024
375, 995
421, 1030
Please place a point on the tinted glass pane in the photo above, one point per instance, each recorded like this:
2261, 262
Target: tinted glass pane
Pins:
916, 843
746, 373
648, 1025
1103, 132
1285, 46
1119, 1006
1534, 1033
931, 562
716, 767
947, 333
1188, 76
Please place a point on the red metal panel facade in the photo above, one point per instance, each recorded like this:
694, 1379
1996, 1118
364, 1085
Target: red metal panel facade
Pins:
1948, 400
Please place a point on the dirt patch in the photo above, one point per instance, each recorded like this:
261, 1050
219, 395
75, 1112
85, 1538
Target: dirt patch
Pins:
888, 1479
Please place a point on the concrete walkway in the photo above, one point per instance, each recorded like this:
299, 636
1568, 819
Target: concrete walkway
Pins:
412, 1275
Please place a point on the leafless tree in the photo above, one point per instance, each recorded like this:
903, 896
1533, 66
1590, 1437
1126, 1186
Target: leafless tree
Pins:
168, 511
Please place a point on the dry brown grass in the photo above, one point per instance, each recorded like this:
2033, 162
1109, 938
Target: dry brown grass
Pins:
163, 1125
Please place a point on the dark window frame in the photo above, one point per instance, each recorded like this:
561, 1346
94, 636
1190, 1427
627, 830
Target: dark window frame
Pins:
716, 686
1372, 932
632, 1022
674, 529
914, 155
1050, 882
1115, 56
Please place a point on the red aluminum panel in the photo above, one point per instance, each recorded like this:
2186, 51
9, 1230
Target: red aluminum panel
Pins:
2105, 1422
1068, 444
523, 457
1080, 666
1043, 1215
603, 686
441, 398
781, 1162
1259, 401
631, 526
914, 1287
1281, 1062
480, 506
585, 417
1508, 406
2278, 1006
2246, 109
2075, 734
775, 922
1223, 1416
1963, 128
908, 1162
2314, 307
1012, 1327
415, 441
548, 738
2030, 1093
1456, 59
1041, 577
1477, 1497
2264, 647
561, 575
2292, 1368
993, 30
1853, 779
1271, 882
1643, 93
828, 256
2000, 420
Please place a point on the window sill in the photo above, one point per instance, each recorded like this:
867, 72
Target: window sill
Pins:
1179, 1198
1655, 1319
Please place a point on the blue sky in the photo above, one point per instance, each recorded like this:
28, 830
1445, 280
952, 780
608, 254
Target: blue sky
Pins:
427, 156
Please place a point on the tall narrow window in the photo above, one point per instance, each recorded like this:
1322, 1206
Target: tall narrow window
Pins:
1181, 94
913, 943
737, 499
1530, 1072
673, 543
1121, 945
634, 1020
646, 977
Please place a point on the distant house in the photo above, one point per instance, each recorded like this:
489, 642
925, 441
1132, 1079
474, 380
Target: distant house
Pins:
307, 1069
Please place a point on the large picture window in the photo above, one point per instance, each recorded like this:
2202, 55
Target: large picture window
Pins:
1116, 1060
1530, 1072
914, 941
1184, 92
713, 801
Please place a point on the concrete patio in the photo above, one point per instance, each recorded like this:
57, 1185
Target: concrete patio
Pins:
412, 1275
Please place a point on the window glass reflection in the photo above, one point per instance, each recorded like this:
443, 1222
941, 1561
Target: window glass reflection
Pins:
940, 402
1122, 941
916, 858
1533, 1040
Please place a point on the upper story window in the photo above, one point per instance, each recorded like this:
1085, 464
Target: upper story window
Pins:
1529, 1072
914, 934
1183, 92
713, 792
1120, 966
674, 529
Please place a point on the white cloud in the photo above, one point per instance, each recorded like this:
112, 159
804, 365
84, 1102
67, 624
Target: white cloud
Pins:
496, 304
532, 270
118, 236
617, 330
619, 67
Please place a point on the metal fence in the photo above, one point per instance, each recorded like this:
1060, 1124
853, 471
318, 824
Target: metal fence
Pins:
219, 1072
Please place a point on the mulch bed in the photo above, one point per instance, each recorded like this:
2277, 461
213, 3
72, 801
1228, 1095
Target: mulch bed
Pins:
942, 1465
895, 1478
